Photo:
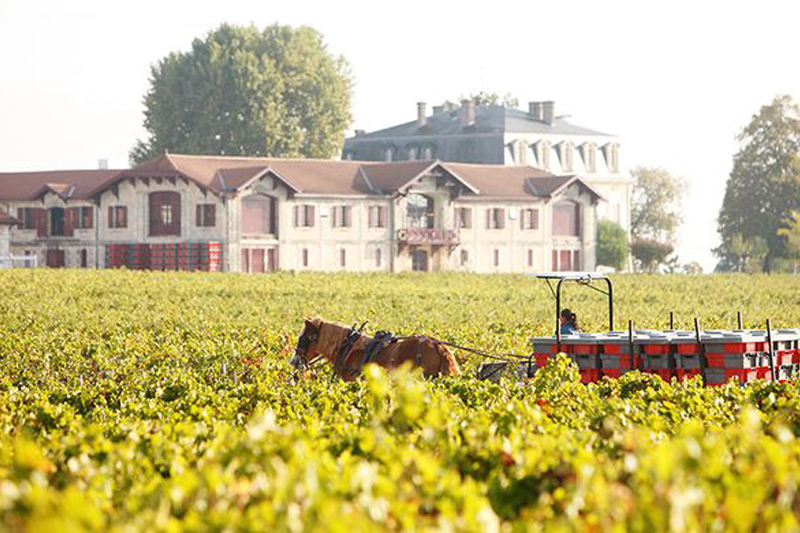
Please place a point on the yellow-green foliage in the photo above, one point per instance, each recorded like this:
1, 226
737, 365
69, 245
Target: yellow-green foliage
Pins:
165, 402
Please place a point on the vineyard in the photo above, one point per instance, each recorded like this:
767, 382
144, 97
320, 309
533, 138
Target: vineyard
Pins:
155, 401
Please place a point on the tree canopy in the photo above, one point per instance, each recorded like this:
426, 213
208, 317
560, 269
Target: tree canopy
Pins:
246, 91
763, 188
612, 244
655, 216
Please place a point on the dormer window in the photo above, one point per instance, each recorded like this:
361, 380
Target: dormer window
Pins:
427, 153
565, 154
611, 153
521, 152
388, 154
543, 155
589, 152
413, 153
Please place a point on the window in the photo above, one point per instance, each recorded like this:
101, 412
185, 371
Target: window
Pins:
543, 154
25, 215
58, 227
590, 157
377, 217
304, 216
611, 153
463, 217
521, 152
342, 217
305, 257
530, 258
529, 218
206, 215
378, 257
413, 153
419, 260
81, 217
464, 258
388, 154
117, 216
565, 152
165, 213
576, 260
342, 257
496, 218
84, 258
496, 257
259, 215
420, 211
566, 219
427, 153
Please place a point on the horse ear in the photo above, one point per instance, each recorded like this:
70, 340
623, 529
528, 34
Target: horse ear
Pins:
316, 322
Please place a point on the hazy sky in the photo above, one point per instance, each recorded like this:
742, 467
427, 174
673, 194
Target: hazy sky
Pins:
676, 80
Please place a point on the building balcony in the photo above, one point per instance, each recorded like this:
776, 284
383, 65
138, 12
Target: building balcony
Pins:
426, 236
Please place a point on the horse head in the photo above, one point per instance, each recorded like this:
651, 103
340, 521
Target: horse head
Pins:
307, 344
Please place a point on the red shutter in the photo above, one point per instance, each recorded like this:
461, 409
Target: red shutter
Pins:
122, 217
382, 216
211, 215
296, 211
310, 216
40, 216
348, 216
71, 220
198, 221
88, 217
110, 217
535, 217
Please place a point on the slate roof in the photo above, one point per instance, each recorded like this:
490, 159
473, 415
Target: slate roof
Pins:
488, 119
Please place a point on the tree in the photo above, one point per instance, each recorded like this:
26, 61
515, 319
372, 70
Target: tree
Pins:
612, 244
655, 215
484, 98
650, 254
744, 254
764, 185
694, 268
245, 91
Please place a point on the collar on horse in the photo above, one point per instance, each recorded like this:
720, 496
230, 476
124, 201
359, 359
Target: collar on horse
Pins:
349, 341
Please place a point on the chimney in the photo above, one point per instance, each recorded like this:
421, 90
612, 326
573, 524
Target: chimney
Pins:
422, 112
535, 110
549, 112
102, 164
467, 113
438, 109
359, 133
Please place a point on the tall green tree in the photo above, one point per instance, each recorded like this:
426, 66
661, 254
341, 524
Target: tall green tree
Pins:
246, 91
656, 213
764, 185
612, 244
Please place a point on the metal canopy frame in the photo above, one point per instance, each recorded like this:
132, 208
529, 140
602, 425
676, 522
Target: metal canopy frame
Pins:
582, 278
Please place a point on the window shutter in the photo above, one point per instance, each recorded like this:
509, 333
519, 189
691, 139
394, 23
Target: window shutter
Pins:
41, 222
110, 217
310, 216
296, 216
535, 217
348, 216
335, 218
501, 218
122, 216
523, 214
468, 217
199, 215
382, 216
88, 217
488, 219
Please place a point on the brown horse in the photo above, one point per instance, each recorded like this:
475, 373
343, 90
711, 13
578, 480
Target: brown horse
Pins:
347, 350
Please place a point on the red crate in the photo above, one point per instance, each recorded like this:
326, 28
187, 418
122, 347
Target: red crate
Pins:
687, 349
745, 375
655, 349
716, 360
590, 375
541, 358
584, 349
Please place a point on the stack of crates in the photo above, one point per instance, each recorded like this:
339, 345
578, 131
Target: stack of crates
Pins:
187, 256
116, 255
138, 256
163, 256
719, 357
210, 256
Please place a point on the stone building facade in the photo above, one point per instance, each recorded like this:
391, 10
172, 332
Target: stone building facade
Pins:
270, 214
500, 135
